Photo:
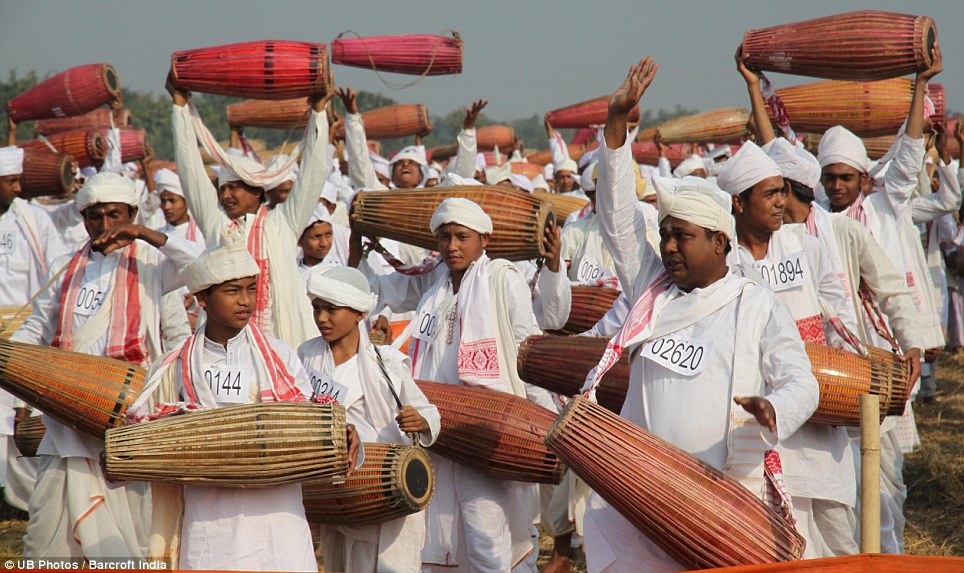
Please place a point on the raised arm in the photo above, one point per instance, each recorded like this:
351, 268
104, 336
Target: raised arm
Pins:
360, 169
314, 170
762, 127
463, 164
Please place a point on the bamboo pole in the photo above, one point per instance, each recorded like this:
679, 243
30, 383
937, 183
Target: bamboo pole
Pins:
869, 473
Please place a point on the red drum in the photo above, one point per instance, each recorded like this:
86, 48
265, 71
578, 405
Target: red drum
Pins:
87, 147
530, 170
266, 69
71, 92
492, 136
97, 119
586, 114
589, 304
46, 173
133, 143
416, 54
395, 121
645, 152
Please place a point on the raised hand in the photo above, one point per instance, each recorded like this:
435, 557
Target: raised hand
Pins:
473, 112
752, 77
553, 244
625, 98
347, 96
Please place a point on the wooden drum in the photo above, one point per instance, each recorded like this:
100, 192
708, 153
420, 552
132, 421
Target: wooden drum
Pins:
395, 121
87, 147
46, 173
278, 114
27, 434
589, 305
843, 377
97, 119
71, 92
586, 114
415, 54
133, 143
718, 126
491, 136
564, 205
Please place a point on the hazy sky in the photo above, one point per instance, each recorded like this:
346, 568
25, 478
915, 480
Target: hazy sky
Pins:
525, 56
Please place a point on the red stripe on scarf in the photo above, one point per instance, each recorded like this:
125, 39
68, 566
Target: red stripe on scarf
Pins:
256, 246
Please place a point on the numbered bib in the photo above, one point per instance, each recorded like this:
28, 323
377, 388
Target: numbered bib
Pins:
686, 356
229, 384
324, 385
89, 299
7, 244
426, 325
590, 270
787, 272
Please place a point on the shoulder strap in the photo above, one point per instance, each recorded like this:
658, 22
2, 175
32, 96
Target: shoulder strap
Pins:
388, 379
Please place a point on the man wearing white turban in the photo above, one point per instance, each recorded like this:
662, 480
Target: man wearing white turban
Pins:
105, 304
689, 298
282, 308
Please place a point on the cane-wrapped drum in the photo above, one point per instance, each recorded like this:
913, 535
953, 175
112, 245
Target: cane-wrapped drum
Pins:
266, 69
889, 366
531, 170
46, 173
691, 510
575, 152
92, 120
564, 205
394, 481
87, 147
251, 445
560, 364
717, 126
12, 317
586, 113
491, 136
497, 433
395, 121
645, 152
279, 114
519, 219
415, 54
133, 143
27, 434
71, 92
589, 305
88, 393
866, 45
843, 376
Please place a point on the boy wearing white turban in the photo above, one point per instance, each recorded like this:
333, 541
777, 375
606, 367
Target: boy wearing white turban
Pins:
106, 304
689, 297
376, 387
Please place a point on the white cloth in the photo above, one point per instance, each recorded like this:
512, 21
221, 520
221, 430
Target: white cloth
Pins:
11, 161
687, 166
227, 261
583, 248
463, 212
167, 180
695, 204
748, 167
795, 163
839, 145
107, 187
342, 286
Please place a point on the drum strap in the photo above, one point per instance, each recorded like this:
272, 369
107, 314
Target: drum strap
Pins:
381, 366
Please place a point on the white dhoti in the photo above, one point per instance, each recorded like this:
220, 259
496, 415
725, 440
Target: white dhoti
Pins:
828, 526
75, 514
391, 547
21, 476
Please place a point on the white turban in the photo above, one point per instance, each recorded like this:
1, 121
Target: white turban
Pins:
11, 161
748, 167
380, 164
275, 165
688, 166
540, 183
225, 262
167, 180
480, 163
522, 182
329, 192
839, 145
720, 151
342, 286
694, 203
549, 171
495, 175
795, 163
463, 212
411, 152
566, 165
432, 173
227, 175
319, 215
107, 187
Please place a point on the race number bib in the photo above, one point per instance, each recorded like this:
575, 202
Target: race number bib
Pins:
590, 270
229, 384
325, 385
6, 242
89, 299
787, 272
426, 325
686, 356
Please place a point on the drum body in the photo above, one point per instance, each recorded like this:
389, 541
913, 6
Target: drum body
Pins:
843, 376
395, 121
586, 114
278, 114
589, 305
645, 152
87, 147
97, 119
133, 143
563, 205
497, 433
27, 434
519, 219
71, 92
888, 366
531, 170
492, 136
717, 126
698, 515
394, 481
250, 445
415, 54
876, 147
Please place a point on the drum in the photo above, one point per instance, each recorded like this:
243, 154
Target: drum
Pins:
415, 54
843, 376
876, 147
92, 120
560, 364
87, 147
888, 366
519, 219
497, 433
864, 46
692, 511
11, 318
717, 126
575, 152
586, 114
71, 92
936, 94
394, 481
645, 152
279, 114
492, 136
589, 304
88, 393
441, 152
27, 434
530, 170
564, 205
266, 69
395, 121
133, 143
250, 445
866, 108
46, 173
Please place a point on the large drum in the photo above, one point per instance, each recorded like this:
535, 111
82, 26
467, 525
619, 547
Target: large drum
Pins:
589, 305
46, 173
888, 366
866, 45
586, 114
532, 170
133, 143
71, 92
266, 69
645, 152
519, 219
560, 364
497, 433
394, 481
251, 445
395, 121
11, 318
691, 510
491, 136
88, 393
278, 114
87, 147
564, 205
97, 119
876, 147
843, 377
415, 54
27, 434
717, 126
576, 150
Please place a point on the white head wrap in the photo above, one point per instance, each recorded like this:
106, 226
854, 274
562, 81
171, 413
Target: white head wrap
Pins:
839, 145
795, 163
380, 164
566, 165
549, 170
11, 161
463, 212
695, 203
496, 175
432, 173
167, 180
225, 262
748, 167
522, 182
342, 286
411, 152
320, 214
329, 192
720, 151
227, 175
540, 183
480, 163
275, 165
688, 166
107, 187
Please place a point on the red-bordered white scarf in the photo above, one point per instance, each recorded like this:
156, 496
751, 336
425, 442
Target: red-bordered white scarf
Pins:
256, 246
28, 226
125, 339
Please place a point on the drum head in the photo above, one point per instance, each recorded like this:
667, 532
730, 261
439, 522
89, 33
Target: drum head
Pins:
111, 79
418, 477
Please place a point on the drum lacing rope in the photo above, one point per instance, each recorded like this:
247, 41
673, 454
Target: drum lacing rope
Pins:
417, 80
